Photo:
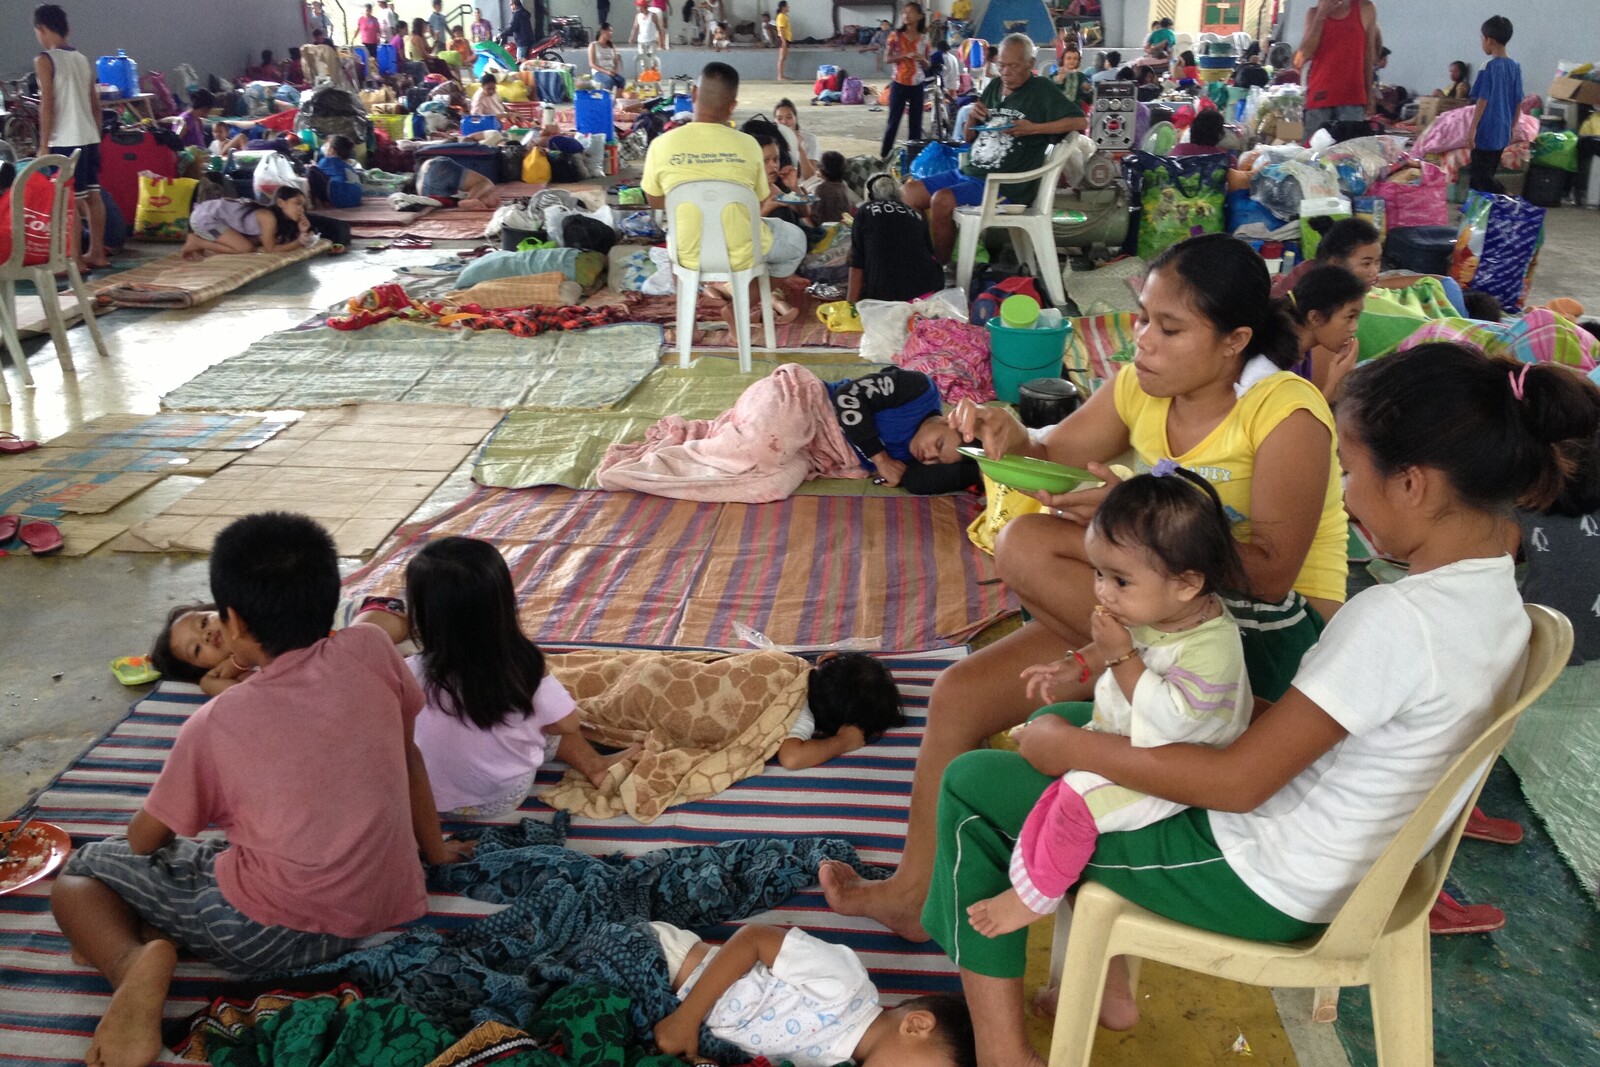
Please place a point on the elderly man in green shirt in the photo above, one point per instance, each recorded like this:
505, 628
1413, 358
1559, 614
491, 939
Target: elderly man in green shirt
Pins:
1013, 124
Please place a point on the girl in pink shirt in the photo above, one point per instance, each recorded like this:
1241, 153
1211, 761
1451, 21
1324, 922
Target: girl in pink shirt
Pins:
492, 714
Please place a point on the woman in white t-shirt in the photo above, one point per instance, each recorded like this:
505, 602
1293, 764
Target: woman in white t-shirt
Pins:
1437, 443
493, 716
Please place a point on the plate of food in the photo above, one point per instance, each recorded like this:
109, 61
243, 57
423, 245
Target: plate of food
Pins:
997, 126
39, 849
1028, 474
794, 198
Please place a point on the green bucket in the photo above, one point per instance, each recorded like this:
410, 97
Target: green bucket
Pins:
1018, 356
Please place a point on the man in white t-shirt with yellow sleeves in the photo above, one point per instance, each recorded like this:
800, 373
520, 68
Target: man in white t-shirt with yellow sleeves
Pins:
709, 149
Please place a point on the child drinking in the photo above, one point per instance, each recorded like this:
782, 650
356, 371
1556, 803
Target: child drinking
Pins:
491, 711
785, 995
310, 770
1325, 307
1171, 671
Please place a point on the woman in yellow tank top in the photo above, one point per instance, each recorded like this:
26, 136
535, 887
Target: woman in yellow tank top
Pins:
1207, 389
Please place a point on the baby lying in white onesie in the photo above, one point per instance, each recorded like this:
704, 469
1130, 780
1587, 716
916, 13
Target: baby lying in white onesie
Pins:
786, 995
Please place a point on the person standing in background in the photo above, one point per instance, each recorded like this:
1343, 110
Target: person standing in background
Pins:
319, 20
1496, 95
69, 121
388, 21
482, 28
438, 26
368, 32
602, 12
1341, 43
907, 53
785, 35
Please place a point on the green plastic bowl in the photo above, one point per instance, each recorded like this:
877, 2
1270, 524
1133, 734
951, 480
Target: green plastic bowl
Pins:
1029, 474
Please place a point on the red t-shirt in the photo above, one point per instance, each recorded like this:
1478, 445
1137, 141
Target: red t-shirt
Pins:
304, 767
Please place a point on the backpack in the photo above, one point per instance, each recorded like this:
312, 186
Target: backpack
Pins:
331, 102
588, 234
165, 103
853, 91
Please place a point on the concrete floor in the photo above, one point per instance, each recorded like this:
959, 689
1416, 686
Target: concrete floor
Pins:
63, 620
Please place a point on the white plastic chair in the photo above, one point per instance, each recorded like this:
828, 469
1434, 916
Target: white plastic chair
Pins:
711, 198
1032, 226
42, 275
1379, 938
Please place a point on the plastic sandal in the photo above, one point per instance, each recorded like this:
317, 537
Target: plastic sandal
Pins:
8, 527
11, 444
42, 538
1482, 827
1451, 917
134, 670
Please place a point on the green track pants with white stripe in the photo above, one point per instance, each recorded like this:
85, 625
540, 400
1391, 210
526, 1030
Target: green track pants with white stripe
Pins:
1172, 867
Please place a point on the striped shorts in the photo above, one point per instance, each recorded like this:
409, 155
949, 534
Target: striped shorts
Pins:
174, 889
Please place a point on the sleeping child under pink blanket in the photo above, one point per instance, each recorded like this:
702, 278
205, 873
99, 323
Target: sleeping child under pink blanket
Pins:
791, 427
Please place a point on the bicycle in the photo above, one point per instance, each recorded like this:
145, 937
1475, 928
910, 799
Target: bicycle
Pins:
19, 121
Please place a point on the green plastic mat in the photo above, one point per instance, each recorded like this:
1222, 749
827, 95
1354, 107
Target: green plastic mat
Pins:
565, 448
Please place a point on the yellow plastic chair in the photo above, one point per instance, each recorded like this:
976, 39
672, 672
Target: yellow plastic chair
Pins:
1378, 939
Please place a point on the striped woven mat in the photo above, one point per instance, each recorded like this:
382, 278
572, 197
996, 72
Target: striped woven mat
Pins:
50, 1005
626, 568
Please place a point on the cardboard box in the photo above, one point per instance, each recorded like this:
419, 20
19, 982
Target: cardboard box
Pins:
1578, 90
1430, 108
1289, 133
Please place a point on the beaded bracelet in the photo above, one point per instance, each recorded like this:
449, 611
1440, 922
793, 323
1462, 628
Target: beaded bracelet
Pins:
1083, 666
1125, 657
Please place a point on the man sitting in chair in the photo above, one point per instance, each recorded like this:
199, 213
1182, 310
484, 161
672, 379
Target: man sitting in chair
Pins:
1012, 126
709, 149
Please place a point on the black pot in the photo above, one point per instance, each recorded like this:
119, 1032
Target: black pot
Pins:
1046, 401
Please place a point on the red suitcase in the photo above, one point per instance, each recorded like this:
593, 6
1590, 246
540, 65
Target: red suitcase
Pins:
124, 154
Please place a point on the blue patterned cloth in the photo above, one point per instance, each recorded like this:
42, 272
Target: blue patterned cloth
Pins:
574, 918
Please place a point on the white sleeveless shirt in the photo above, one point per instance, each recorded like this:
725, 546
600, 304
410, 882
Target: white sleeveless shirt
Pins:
75, 125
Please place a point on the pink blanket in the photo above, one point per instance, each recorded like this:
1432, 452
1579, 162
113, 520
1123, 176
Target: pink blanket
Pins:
780, 433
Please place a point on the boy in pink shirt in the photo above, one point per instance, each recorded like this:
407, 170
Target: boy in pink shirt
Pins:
309, 768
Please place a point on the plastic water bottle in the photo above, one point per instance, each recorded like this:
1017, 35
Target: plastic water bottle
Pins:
1291, 258
1049, 319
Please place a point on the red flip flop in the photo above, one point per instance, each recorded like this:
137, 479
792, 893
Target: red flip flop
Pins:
11, 444
8, 527
42, 538
1450, 917
1500, 831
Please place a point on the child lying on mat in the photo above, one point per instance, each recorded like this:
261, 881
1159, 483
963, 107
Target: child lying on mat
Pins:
193, 646
785, 995
891, 418
312, 772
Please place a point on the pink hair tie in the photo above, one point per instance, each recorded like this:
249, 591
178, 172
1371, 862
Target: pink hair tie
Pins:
1517, 378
